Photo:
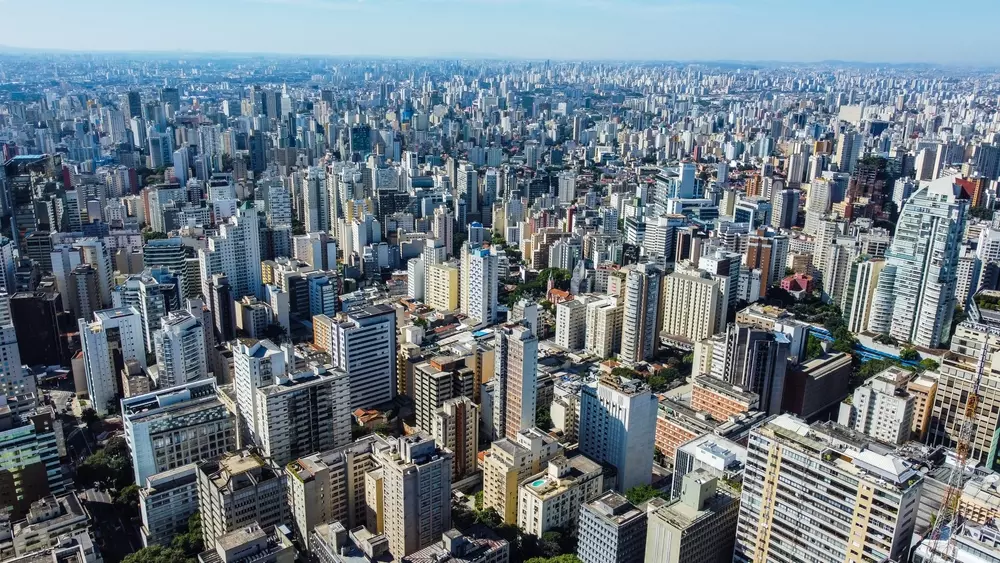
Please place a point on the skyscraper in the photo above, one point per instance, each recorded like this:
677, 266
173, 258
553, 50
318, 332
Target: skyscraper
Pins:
14, 379
618, 426
113, 337
456, 428
693, 305
235, 252
915, 297
756, 360
641, 314
516, 375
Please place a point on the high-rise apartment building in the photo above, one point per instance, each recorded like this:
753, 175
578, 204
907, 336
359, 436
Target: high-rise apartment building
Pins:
862, 281
824, 496
692, 301
172, 427
456, 428
180, 350
618, 427
167, 501
479, 284
756, 360
29, 455
914, 300
515, 375
14, 379
416, 492
641, 313
112, 338
238, 489
603, 332
329, 486
364, 345
235, 252
571, 323
303, 412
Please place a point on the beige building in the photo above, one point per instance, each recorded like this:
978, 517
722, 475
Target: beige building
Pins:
237, 490
571, 323
443, 289
700, 525
817, 493
510, 461
416, 492
603, 333
922, 389
551, 499
330, 486
691, 304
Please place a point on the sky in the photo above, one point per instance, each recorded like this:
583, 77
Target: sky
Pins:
959, 32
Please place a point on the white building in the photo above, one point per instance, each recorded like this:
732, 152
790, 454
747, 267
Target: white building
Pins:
881, 408
235, 252
571, 323
180, 350
303, 412
255, 365
692, 300
552, 499
479, 284
618, 426
172, 427
915, 297
364, 345
604, 327
14, 379
111, 329
167, 501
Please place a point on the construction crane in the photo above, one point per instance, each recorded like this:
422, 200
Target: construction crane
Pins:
948, 513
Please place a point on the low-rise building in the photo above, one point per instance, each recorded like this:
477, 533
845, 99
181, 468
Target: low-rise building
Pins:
508, 462
611, 530
552, 499
477, 544
251, 544
167, 502
700, 525
49, 519
237, 490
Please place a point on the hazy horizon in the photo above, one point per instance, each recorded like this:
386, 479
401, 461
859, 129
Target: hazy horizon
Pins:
889, 31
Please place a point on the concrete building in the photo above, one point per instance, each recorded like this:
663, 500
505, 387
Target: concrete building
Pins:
611, 530
49, 519
790, 469
552, 498
169, 428
14, 379
862, 281
29, 455
641, 313
618, 427
443, 289
508, 462
167, 501
756, 360
256, 364
113, 337
881, 408
303, 412
235, 252
416, 492
478, 544
237, 490
699, 525
693, 306
330, 486
915, 302
604, 327
515, 379
571, 324
433, 385
180, 350
479, 284
711, 454
456, 428
252, 545
364, 345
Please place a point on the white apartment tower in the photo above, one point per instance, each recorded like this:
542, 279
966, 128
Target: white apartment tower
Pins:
618, 426
114, 335
480, 284
915, 297
180, 350
364, 345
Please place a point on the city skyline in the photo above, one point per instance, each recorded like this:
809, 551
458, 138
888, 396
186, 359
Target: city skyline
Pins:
523, 29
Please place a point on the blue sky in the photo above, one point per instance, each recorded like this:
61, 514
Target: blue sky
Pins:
958, 32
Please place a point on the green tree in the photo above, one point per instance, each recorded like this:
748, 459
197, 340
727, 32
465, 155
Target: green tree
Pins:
127, 499
549, 544
928, 364
153, 235
158, 554
543, 419
641, 493
814, 348
909, 355
190, 542
89, 416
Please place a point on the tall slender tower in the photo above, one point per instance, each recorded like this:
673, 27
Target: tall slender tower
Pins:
516, 375
641, 318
